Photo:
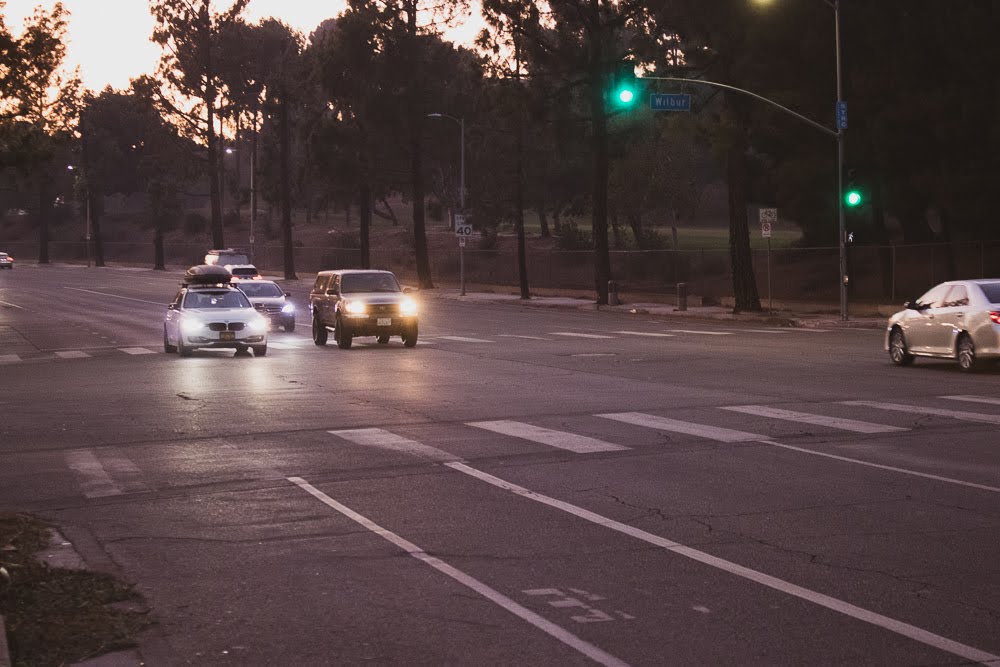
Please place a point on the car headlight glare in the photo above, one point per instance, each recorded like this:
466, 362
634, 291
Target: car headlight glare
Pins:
258, 325
288, 308
191, 327
356, 307
408, 307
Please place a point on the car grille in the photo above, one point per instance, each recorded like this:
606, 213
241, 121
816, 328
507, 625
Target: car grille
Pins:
271, 309
383, 309
221, 326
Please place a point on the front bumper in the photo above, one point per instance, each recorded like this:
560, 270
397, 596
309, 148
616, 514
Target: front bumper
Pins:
213, 339
379, 325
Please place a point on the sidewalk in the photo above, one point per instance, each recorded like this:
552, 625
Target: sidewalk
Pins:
784, 315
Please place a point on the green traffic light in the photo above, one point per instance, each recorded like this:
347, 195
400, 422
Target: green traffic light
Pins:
853, 198
625, 96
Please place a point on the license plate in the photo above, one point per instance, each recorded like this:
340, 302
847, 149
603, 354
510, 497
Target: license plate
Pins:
227, 335
384, 322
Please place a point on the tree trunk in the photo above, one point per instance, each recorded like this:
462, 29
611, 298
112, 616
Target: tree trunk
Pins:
43, 220
635, 224
158, 263
365, 214
543, 221
286, 191
599, 146
218, 234
744, 281
416, 148
96, 212
522, 259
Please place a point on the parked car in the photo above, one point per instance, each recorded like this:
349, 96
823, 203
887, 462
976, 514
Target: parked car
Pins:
209, 312
6, 261
223, 256
243, 272
355, 303
958, 319
271, 301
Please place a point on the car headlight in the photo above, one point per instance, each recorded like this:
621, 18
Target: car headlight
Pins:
190, 327
288, 308
258, 324
408, 307
356, 307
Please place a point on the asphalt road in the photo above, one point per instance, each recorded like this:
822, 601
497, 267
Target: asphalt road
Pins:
526, 486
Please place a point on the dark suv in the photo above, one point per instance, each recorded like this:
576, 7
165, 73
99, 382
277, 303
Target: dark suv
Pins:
355, 303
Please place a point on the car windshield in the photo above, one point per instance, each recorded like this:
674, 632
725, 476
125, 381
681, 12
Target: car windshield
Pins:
244, 272
992, 291
217, 299
256, 289
368, 282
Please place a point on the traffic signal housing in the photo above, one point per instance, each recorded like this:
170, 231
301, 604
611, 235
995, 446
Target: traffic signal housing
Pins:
624, 92
853, 194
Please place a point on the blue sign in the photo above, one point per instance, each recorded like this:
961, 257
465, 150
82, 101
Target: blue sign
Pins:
670, 102
841, 115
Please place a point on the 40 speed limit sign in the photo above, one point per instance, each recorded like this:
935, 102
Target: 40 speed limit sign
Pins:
462, 229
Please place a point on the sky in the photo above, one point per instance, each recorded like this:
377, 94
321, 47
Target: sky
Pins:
109, 39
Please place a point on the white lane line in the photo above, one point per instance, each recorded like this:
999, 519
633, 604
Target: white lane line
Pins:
687, 428
916, 409
525, 337
859, 613
701, 333
282, 346
581, 444
869, 464
11, 305
9, 358
135, 350
594, 354
817, 420
974, 399
95, 482
645, 333
767, 331
382, 439
72, 354
464, 339
114, 296
579, 335
496, 597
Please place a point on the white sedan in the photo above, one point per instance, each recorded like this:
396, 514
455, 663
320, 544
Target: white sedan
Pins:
959, 320
213, 316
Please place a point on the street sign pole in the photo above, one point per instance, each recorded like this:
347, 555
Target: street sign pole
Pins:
768, 216
462, 231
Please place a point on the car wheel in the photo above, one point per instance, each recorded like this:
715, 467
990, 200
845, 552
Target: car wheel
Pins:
410, 337
259, 350
383, 339
967, 354
318, 331
343, 336
182, 349
897, 349
167, 347
290, 326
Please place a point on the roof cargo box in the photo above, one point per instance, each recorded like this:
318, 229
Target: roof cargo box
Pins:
207, 274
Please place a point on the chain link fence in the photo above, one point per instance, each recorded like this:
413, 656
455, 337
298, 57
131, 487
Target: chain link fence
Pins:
878, 274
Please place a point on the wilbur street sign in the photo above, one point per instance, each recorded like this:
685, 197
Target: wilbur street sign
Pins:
670, 102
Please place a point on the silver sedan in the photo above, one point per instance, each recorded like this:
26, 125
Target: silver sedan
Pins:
958, 319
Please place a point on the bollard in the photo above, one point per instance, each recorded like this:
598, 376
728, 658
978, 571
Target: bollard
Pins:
682, 296
613, 299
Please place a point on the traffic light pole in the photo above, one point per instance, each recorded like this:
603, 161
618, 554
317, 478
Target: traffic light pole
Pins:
841, 228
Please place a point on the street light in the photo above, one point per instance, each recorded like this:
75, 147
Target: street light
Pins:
86, 185
841, 124
461, 187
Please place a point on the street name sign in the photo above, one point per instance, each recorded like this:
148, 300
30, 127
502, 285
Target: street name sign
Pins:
670, 102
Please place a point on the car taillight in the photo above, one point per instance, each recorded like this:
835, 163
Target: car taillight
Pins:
995, 317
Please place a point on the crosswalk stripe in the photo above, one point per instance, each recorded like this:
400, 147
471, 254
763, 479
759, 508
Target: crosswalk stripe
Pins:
135, 350
579, 335
282, 346
916, 409
464, 339
9, 358
126, 472
701, 333
817, 420
72, 354
645, 333
974, 399
95, 482
687, 428
581, 444
382, 439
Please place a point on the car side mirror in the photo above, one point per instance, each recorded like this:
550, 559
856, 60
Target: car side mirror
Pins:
331, 292
407, 290
910, 305
171, 306
287, 294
